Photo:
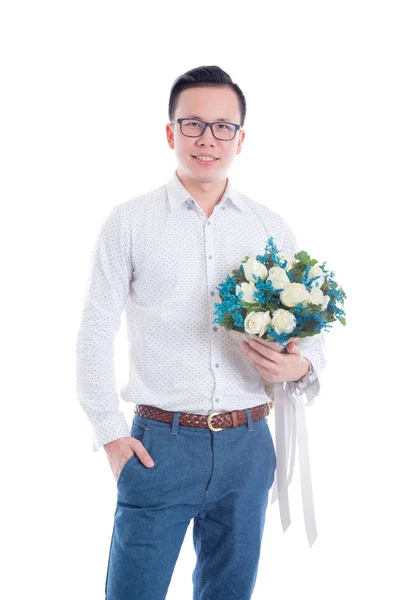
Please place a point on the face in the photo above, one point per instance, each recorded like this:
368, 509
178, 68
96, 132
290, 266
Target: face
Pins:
208, 104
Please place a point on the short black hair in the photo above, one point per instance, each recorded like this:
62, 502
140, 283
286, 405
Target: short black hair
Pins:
209, 76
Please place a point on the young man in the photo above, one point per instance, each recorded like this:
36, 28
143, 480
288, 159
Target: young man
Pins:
199, 446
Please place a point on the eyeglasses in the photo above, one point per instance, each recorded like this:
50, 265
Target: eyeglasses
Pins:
195, 128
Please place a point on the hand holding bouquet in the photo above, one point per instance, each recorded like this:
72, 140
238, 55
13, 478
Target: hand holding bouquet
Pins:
275, 298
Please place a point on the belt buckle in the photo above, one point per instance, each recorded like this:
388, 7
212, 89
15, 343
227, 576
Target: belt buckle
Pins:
210, 425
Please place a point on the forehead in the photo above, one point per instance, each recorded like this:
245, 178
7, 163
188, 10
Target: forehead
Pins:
210, 104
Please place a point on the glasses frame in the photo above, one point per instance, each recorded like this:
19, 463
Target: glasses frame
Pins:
205, 125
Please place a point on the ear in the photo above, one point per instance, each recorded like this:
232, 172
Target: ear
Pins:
170, 135
240, 142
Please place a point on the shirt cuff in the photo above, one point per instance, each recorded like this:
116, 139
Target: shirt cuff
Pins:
108, 429
311, 387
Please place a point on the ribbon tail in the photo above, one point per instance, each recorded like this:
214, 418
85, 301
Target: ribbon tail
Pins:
299, 422
290, 410
282, 442
290, 425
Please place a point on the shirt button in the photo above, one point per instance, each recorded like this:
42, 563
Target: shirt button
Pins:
209, 256
192, 201
215, 328
212, 293
216, 399
216, 364
208, 222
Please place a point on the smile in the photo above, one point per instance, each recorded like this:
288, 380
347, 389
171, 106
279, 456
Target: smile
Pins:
207, 161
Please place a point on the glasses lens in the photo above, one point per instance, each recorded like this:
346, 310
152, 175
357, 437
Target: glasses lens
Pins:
194, 128
191, 127
224, 131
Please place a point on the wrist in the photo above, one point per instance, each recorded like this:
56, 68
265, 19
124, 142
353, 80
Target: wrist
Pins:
306, 370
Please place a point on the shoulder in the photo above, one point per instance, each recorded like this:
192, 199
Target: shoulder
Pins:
273, 221
144, 203
139, 206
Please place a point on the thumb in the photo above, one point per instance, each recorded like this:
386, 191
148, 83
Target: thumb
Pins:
292, 348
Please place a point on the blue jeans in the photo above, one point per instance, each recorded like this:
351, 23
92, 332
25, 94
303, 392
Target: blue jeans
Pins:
221, 480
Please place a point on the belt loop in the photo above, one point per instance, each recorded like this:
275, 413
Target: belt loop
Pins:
234, 418
175, 423
249, 420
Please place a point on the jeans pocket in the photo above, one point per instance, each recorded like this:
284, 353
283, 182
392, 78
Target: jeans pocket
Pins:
142, 434
271, 454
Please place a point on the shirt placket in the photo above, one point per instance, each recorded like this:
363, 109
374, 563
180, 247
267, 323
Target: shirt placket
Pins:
210, 262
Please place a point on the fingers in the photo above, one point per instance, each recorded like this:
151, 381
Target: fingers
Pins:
259, 357
258, 350
120, 458
142, 454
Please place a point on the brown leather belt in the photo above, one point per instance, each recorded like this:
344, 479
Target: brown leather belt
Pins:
220, 420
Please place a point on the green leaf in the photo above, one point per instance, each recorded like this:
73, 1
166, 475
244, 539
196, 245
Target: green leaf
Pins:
273, 306
297, 273
249, 306
303, 334
303, 257
269, 263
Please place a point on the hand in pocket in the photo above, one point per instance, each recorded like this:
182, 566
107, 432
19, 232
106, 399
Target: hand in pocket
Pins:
119, 451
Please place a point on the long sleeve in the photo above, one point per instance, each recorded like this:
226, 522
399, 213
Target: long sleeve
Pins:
107, 290
311, 347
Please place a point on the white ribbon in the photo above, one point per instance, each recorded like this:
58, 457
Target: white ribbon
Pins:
290, 425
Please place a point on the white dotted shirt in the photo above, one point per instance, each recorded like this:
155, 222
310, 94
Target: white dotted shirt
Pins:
159, 257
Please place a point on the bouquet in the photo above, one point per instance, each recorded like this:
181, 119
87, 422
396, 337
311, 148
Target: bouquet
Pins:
279, 298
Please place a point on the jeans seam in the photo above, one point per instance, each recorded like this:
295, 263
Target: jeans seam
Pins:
109, 560
199, 556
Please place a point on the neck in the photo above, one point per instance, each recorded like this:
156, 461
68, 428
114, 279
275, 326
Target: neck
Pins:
206, 193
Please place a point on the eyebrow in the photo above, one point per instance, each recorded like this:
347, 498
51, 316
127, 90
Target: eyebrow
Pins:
200, 119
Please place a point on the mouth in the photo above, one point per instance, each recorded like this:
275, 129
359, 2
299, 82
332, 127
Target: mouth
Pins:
207, 161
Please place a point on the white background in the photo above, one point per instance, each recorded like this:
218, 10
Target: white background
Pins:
85, 88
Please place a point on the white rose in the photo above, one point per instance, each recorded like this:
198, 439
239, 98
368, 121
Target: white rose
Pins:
294, 293
325, 301
256, 322
314, 272
253, 269
283, 321
278, 277
316, 296
248, 290
291, 261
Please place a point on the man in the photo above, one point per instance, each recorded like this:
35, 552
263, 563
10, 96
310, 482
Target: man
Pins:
199, 446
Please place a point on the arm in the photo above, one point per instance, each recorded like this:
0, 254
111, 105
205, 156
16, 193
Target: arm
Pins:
107, 290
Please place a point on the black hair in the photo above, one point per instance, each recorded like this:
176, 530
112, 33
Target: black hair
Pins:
210, 76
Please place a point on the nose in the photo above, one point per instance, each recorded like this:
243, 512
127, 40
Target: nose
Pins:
207, 135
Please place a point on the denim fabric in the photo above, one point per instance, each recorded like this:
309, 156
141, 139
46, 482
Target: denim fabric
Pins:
221, 480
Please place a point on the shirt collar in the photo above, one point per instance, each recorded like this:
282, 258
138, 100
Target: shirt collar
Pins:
178, 195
